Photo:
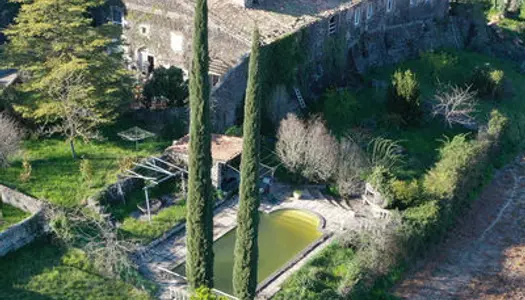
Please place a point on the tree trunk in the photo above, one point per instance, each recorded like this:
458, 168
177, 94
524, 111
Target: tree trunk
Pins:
72, 145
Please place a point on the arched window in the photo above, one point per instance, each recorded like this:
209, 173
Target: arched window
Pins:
357, 16
389, 5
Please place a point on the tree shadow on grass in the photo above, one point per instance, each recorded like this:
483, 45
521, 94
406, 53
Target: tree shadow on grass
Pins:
17, 268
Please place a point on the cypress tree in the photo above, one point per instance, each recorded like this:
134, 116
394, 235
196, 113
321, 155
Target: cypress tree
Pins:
246, 245
199, 226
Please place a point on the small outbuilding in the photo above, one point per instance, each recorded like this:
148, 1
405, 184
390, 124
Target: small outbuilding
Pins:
226, 155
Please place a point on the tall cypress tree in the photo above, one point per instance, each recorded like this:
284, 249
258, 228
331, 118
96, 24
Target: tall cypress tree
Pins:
246, 245
199, 239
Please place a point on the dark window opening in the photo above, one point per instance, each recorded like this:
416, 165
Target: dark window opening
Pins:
151, 64
332, 25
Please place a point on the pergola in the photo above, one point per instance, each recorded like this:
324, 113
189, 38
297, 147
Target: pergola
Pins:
135, 134
155, 171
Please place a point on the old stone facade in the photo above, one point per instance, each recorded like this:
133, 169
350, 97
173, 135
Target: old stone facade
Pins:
367, 33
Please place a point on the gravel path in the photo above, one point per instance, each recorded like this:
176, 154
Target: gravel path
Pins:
484, 256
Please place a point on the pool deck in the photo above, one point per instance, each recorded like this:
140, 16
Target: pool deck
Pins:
339, 217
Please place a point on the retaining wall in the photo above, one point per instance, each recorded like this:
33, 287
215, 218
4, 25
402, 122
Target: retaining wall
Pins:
25, 231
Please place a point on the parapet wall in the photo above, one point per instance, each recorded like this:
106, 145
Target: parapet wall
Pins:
24, 232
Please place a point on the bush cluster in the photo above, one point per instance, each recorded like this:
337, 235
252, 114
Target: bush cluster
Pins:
167, 84
404, 97
489, 82
450, 184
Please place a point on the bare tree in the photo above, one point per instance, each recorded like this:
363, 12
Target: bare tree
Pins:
307, 148
80, 227
321, 153
10, 138
377, 250
291, 142
79, 115
352, 164
456, 105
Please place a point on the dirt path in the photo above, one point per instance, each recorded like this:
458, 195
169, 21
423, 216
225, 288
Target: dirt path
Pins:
484, 257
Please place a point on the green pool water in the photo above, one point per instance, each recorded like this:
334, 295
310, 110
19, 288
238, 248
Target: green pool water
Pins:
282, 235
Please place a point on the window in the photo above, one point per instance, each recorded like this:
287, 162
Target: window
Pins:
370, 10
389, 5
117, 16
214, 79
144, 29
357, 16
177, 42
332, 25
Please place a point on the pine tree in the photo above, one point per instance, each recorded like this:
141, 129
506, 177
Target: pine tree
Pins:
246, 245
74, 81
199, 239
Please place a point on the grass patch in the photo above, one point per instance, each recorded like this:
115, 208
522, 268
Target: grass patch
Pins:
45, 271
321, 276
145, 232
453, 67
56, 176
11, 215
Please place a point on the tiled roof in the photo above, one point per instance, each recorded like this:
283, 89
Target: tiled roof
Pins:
223, 148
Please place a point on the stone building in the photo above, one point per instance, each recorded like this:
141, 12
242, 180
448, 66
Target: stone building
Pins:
365, 34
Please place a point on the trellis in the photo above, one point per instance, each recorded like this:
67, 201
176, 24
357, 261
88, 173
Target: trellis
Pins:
162, 171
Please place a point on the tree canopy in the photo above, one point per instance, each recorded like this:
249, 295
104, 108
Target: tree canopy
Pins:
51, 39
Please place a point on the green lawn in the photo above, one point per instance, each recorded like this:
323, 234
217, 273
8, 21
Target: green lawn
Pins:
56, 176
321, 276
45, 271
11, 215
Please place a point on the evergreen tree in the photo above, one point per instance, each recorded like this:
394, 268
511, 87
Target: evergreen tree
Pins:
199, 239
246, 245
72, 72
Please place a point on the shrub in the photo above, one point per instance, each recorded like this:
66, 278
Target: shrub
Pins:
86, 170
169, 84
404, 96
234, 131
204, 293
341, 109
10, 138
454, 158
385, 152
406, 193
381, 179
497, 124
25, 175
488, 82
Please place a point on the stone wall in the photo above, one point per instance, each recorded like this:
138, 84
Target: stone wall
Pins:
379, 38
167, 34
24, 232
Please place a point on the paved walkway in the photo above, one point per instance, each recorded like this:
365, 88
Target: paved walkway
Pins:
338, 216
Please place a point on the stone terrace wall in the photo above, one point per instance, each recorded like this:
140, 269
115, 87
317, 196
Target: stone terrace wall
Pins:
25, 231
384, 37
